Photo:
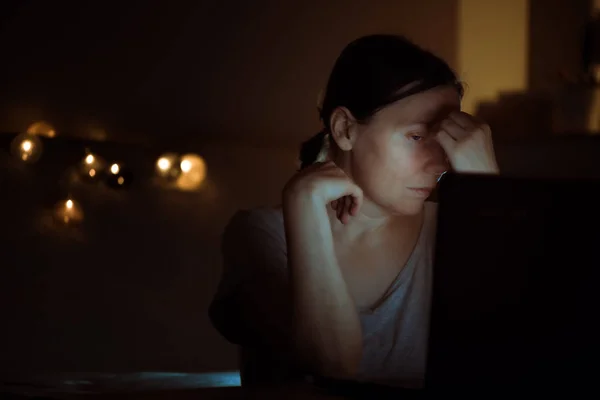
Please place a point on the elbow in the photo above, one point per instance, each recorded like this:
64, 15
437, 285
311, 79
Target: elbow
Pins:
333, 353
344, 366
338, 362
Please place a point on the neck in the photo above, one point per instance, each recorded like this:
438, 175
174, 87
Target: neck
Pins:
371, 222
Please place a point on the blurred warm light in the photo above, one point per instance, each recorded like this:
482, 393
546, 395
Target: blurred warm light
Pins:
168, 166
163, 164
26, 147
193, 172
120, 177
91, 165
186, 166
41, 128
68, 211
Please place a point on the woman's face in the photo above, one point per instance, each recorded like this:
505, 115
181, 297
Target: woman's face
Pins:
395, 158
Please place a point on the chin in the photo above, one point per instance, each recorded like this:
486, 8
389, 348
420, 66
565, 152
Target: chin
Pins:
408, 208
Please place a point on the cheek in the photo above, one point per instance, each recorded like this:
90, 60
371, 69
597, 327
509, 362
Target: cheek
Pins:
403, 162
391, 163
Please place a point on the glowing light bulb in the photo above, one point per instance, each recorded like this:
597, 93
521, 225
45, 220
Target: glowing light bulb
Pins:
163, 164
186, 166
168, 166
92, 166
193, 174
68, 212
120, 176
27, 145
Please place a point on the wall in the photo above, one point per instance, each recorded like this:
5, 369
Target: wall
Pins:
493, 48
224, 69
556, 36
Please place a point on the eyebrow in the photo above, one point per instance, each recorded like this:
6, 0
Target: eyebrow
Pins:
437, 115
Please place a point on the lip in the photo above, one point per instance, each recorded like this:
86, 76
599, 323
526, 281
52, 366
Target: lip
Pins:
424, 191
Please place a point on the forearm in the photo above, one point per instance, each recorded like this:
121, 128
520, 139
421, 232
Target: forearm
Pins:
326, 327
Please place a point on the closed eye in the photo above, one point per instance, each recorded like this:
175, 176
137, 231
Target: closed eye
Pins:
416, 137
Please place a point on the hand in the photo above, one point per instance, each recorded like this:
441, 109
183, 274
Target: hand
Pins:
468, 144
326, 183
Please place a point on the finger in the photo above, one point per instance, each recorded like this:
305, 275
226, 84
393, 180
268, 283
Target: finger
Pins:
343, 202
340, 209
446, 141
334, 204
464, 120
354, 206
343, 210
357, 201
346, 214
453, 129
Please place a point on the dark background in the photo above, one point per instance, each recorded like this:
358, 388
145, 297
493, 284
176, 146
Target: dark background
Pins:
236, 82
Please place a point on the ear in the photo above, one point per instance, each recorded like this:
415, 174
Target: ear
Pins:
343, 128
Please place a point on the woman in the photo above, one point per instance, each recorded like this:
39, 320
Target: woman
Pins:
336, 282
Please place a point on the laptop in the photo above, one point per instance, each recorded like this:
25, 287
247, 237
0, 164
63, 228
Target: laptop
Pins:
516, 285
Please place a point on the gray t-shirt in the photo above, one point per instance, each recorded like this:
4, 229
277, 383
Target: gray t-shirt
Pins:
394, 333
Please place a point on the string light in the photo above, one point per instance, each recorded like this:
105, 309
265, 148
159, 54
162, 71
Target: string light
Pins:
92, 166
119, 176
163, 164
27, 148
193, 172
188, 172
186, 166
68, 212
168, 166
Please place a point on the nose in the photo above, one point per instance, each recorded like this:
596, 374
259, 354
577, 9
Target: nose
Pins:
437, 162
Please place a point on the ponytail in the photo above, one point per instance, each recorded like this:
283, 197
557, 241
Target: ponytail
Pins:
312, 148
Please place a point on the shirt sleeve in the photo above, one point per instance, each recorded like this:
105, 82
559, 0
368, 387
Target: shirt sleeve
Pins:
252, 304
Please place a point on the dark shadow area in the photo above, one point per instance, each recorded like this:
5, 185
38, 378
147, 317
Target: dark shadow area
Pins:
127, 289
